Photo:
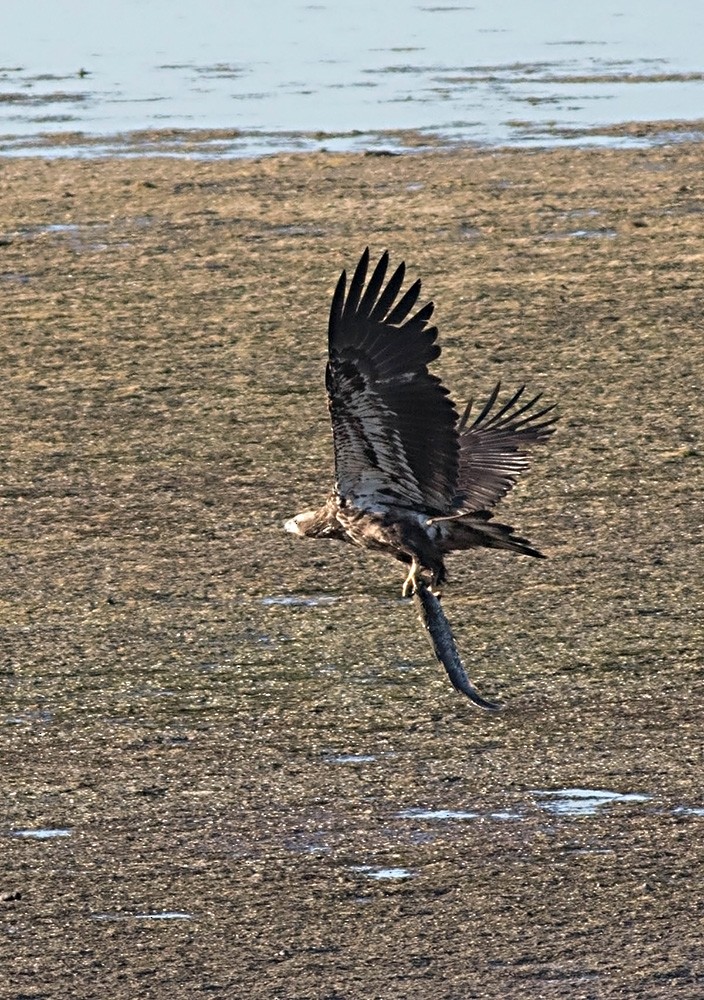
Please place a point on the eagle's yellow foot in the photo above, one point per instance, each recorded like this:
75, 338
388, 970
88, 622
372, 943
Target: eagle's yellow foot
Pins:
410, 584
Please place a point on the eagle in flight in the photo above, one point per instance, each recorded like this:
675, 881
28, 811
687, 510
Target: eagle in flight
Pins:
413, 478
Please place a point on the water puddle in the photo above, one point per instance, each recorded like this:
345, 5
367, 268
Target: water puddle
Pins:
384, 874
44, 833
589, 234
583, 801
593, 233
581, 213
57, 227
79, 237
448, 815
559, 802
437, 814
349, 758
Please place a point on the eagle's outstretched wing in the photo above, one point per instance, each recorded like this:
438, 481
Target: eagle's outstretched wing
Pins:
494, 448
394, 426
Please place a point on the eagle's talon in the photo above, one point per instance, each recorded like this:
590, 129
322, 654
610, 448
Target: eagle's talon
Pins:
410, 584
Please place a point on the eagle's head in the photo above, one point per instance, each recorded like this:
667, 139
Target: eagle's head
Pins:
314, 524
297, 525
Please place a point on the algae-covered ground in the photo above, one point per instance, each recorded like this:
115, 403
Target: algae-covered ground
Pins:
230, 765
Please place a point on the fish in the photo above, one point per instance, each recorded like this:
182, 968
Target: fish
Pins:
435, 623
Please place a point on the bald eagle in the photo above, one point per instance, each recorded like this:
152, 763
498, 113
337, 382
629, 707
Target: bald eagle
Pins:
413, 478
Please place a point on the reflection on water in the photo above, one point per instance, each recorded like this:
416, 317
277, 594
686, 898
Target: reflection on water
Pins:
303, 76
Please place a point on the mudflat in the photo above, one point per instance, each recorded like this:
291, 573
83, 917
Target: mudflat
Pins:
231, 766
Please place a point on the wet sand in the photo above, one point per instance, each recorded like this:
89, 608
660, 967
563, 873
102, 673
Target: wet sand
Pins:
232, 727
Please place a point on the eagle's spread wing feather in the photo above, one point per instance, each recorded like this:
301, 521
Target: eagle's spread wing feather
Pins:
494, 448
394, 427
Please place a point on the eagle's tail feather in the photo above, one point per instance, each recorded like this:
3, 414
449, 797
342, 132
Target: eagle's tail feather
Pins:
479, 531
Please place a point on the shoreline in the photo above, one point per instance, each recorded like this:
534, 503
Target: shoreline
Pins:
224, 143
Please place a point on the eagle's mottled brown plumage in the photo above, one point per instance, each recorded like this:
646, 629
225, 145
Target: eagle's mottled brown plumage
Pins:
412, 478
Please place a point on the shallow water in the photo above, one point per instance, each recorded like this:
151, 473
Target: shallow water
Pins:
300, 76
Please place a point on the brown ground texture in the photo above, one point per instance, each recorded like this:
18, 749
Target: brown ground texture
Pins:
233, 765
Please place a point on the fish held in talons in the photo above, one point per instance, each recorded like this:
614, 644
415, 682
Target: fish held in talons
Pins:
437, 626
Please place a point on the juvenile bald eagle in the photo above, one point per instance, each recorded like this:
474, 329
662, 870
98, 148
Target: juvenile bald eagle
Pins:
412, 477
